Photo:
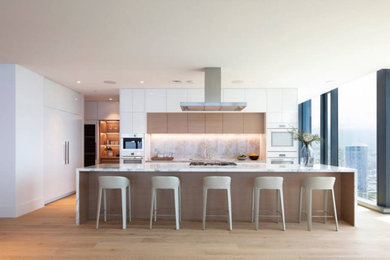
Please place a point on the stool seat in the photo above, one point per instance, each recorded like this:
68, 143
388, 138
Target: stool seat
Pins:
166, 182
113, 182
267, 183
218, 183
317, 183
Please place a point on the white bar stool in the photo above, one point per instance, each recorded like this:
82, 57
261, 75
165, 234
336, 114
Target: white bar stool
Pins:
113, 182
166, 182
268, 183
219, 183
317, 183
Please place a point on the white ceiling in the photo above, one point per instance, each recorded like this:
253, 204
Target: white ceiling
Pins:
301, 43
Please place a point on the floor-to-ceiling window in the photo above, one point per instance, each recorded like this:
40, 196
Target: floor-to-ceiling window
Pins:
316, 127
357, 132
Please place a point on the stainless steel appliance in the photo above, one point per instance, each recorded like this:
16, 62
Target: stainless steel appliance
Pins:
132, 148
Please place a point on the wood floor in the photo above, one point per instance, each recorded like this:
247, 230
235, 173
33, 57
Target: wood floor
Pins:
51, 233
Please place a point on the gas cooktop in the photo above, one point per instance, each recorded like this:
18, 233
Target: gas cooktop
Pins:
212, 163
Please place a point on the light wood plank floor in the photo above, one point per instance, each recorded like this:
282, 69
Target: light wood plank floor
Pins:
51, 233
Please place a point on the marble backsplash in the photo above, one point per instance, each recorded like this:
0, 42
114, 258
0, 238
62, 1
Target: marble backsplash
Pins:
206, 146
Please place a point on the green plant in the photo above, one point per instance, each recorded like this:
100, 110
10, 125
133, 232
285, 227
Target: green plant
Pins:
304, 137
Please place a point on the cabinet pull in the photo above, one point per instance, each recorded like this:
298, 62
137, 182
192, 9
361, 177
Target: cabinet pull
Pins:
65, 152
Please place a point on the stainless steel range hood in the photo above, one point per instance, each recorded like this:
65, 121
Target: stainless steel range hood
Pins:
212, 96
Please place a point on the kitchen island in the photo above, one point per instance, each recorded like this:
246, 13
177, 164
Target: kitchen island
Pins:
191, 184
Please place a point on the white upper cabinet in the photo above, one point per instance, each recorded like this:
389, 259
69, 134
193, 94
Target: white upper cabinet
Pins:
195, 95
139, 123
108, 110
126, 123
290, 100
126, 100
62, 98
138, 100
174, 97
274, 100
233, 95
256, 99
155, 100
91, 110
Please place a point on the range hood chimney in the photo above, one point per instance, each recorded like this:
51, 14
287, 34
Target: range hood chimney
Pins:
212, 96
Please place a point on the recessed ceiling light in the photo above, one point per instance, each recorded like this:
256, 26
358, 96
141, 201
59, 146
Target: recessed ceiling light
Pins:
237, 81
109, 82
110, 99
190, 81
78, 82
142, 82
176, 81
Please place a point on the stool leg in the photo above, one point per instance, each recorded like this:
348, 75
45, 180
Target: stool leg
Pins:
229, 208
277, 205
152, 208
124, 208
325, 205
105, 205
282, 209
335, 211
155, 206
309, 210
180, 202
253, 204
177, 217
204, 208
257, 207
300, 206
98, 207
129, 204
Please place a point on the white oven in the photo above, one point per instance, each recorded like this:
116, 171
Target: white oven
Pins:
280, 139
132, 145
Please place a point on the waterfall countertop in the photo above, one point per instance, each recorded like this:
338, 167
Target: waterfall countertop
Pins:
185, 167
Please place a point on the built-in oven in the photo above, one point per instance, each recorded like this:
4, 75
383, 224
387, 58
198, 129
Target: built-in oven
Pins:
280, 139
132, 148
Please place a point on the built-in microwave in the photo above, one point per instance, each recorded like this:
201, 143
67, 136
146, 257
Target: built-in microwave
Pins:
132, 145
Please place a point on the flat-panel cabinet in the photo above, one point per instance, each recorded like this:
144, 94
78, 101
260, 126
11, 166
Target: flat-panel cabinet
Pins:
174, 97
177, 123
256, 100
138, 100
195, 95
126, 124
233, 123
196, 122
155, 100
214, 123
274, 100
253, 123
139, 123
157, 123
233, 95
126, 100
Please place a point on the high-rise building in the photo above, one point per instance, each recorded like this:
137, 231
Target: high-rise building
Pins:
357, 157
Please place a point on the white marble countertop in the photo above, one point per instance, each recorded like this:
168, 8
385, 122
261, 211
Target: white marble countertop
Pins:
184, 167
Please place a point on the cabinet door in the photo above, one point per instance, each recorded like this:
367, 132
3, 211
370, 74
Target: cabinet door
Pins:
138, 100
196, 122
126, 123
126, 100
75, 152
177, 123
157, 123
233, 95
91, 110
195, 95
108, 110
290, 100
254, 123
256, 100
174, 97
155, 100
213, 123
233, 123
274, 100
139, 123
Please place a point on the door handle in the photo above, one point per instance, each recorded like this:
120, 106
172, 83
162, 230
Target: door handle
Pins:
67, 153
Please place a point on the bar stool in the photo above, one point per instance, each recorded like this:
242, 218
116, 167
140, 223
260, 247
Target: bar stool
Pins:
317, 183
219, 183
166, 182
113, 182
268, 183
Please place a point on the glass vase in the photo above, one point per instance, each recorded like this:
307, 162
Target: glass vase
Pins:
307, 159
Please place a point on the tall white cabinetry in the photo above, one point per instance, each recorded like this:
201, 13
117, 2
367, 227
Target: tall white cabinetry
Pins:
282, 106
63, 149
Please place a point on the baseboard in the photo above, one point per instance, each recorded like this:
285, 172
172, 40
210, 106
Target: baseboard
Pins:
7, 212
59, 197
377, 208
28, 206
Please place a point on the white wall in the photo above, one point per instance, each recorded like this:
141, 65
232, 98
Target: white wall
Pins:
28, 141
7, 139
